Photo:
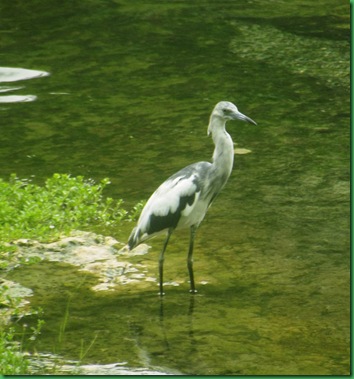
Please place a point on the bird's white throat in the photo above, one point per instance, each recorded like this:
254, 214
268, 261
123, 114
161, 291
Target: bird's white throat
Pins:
223, 156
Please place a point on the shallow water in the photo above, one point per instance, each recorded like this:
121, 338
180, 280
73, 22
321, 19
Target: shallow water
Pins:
130, 90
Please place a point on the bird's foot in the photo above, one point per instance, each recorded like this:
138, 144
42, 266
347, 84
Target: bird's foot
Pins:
193, 291
161, 293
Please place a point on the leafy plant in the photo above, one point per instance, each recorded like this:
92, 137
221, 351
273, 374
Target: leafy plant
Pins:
62, 204
12, 360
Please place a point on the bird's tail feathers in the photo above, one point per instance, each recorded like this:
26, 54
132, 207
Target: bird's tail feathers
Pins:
133, 238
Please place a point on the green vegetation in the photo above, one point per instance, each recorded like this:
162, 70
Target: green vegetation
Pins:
64, 203
43, 213
12, 361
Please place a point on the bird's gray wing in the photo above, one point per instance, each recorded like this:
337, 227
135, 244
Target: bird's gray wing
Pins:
175, 197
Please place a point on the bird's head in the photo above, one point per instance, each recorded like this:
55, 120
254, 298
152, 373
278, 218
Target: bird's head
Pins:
225, 111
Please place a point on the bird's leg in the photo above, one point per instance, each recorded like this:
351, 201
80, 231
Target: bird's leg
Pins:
190, 259
161, 260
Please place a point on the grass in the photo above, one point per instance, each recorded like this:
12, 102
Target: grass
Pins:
43, 213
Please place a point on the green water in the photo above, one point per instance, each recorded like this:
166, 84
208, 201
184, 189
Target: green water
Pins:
130, 90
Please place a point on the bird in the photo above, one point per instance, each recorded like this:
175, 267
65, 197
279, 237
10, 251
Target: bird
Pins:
184, 198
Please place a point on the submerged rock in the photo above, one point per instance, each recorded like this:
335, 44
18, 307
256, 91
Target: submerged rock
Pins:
101, 256
12, 295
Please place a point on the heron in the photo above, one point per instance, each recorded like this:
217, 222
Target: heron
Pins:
184, 198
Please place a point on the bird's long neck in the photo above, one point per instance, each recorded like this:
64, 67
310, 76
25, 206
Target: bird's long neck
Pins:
223, 156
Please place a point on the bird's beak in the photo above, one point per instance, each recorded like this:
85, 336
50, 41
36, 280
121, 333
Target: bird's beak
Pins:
242, 117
